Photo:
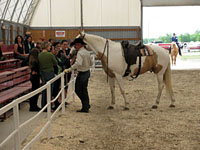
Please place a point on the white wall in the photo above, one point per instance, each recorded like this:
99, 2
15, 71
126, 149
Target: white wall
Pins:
66, 13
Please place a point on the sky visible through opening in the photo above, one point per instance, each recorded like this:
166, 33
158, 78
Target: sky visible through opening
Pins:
158, 21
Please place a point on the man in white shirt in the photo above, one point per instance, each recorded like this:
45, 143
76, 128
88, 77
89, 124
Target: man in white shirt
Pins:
82, 64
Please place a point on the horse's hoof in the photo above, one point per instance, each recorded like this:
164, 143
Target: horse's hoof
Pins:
154, 107
110, 107
126, 108
172, 106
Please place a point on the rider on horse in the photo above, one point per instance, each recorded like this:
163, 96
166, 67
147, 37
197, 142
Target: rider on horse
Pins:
175, 39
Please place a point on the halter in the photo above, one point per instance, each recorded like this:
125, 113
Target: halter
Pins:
82, 36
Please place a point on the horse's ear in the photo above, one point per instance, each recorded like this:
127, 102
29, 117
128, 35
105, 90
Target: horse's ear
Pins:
81, 33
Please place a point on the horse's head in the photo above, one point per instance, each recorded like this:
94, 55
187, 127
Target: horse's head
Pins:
173, 45
81, 34
94, 42
89, 39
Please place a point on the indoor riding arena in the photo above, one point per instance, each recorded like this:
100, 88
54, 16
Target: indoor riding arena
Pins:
148, 120
138, 128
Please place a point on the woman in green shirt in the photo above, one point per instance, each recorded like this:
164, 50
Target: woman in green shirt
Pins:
47, 62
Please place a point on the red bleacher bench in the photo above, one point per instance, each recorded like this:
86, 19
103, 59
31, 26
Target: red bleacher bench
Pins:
8, 51
9, 64
6, 79
13, 84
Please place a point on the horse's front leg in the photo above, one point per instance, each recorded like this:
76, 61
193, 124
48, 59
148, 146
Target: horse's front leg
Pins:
112, 89
174, 60
121, 86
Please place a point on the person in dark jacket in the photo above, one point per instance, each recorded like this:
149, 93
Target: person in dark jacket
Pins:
57, 70
28, 44
34, 77
38, 45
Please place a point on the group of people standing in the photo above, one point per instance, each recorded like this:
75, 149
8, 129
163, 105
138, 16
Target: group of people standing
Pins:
47, 59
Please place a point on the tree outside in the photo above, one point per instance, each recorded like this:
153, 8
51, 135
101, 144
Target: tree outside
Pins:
181, 38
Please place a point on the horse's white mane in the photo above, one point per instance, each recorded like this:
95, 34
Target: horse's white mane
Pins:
99, 38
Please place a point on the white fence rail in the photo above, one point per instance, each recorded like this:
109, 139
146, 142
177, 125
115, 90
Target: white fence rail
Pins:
15, 106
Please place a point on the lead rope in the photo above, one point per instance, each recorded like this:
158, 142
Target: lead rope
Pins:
107, 57
104, 50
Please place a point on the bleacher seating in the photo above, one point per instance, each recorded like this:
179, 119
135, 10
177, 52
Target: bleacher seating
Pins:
14, 83
8, 51
9, 64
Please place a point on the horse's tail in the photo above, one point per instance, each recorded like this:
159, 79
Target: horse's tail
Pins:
167, 80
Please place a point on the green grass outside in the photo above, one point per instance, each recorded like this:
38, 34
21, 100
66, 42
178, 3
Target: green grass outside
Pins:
190, 57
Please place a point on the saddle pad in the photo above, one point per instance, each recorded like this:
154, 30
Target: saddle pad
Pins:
146, 51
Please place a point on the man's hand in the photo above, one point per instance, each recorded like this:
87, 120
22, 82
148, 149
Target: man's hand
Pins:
67, 70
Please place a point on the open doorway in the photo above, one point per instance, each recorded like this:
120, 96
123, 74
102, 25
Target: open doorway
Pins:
159, 21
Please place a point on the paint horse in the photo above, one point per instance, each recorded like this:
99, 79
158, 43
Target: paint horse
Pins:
174, 52
113, 61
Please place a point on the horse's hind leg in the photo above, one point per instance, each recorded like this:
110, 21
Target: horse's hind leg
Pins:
121, 86
112, 89
160, 88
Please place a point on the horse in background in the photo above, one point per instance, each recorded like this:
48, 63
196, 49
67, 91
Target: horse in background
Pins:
174, 52
111, 55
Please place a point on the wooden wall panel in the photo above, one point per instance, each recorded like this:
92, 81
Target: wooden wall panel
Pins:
18, 31
70, 34
47, 34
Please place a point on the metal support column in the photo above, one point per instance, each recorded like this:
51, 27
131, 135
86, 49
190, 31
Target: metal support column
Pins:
21, 11
11, 18
141, 4
5, 10
30, 12
81, 4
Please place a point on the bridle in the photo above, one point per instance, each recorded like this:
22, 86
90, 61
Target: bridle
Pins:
82, 36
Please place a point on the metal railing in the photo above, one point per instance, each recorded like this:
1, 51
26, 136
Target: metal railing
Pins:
15, 106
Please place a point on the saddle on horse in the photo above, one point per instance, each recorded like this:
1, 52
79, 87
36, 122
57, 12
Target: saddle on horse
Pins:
132, 52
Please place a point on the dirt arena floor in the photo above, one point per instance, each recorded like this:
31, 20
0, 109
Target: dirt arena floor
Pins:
140, 128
